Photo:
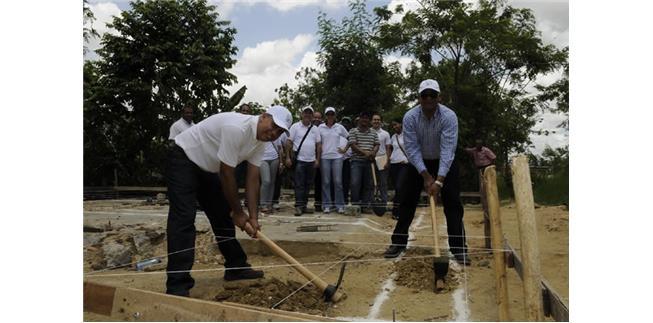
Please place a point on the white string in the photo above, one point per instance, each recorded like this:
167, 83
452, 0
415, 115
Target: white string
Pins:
310, 281
268, 266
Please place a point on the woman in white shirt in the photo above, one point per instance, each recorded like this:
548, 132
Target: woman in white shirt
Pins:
398, 164
332, 134
268, 170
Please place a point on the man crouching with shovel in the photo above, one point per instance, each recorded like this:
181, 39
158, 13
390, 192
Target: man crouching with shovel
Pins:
201, 168
430, 135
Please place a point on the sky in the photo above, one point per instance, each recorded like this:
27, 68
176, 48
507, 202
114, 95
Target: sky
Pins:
276, 38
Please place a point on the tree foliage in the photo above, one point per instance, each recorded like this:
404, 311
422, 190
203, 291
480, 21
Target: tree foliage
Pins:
484, 57
165, 55
353, 77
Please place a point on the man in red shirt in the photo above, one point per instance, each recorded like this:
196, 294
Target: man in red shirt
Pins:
483, 156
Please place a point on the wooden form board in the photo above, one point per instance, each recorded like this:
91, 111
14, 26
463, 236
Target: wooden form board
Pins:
130, 304
554, 306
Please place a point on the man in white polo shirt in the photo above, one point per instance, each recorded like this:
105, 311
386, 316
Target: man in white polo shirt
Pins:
201, 168
308, 157
185, 122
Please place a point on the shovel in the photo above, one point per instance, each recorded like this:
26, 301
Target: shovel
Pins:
378, 207
329, 292
440, 263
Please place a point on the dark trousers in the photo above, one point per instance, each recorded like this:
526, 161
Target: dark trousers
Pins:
398, 173
188, 184
317, 189
346, 170
361, 182
304, 176
453, 208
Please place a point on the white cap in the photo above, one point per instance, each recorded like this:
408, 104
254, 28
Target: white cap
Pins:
330, 109
281, 116
429, 84
308, 107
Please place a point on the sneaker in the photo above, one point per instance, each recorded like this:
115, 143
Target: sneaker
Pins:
394, 251
341, 211
298, 211
326, 210
276, 206
240, 274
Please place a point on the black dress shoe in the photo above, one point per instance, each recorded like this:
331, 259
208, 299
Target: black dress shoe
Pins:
239, 274
394, 251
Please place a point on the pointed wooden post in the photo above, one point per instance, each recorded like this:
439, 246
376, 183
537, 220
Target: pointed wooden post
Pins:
530, 252
492, 198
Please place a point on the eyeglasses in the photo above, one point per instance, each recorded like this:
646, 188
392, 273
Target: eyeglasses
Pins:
428, 93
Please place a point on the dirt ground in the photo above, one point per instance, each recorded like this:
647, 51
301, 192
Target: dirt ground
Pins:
406, 283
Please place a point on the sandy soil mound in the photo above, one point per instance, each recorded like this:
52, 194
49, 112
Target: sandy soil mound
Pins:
418, 274
267, 292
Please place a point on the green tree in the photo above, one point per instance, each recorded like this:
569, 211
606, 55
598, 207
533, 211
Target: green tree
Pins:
353, 76
165, 55
484, 58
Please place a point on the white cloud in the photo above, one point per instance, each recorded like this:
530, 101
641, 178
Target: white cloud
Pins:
281, 5
104, 13
270, 53
224, 8
268, 65
404, 61
407, 5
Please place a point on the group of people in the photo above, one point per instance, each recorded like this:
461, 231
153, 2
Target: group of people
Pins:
338, 157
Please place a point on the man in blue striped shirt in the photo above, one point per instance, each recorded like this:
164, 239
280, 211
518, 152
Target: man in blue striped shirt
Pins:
430, 136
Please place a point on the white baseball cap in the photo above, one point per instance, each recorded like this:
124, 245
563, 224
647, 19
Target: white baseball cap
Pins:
308, 107
281, 116
329, 109
429, 84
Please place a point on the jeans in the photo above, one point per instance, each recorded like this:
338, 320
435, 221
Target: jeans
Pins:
187, 183
268, 172
398, 174
453, 208
304, 176
332, 175
361, 182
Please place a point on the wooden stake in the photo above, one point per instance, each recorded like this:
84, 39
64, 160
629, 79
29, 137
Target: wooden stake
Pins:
494, 209
521, 180
486, 217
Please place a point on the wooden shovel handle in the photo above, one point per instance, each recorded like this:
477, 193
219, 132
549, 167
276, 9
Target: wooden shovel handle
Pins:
373, 173
321, 284
434, 224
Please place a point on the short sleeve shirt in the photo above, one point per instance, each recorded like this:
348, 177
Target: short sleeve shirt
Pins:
178, 127
297, 132
332, 139
228, 138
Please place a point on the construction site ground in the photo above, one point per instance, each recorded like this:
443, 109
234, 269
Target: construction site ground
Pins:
375, 287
